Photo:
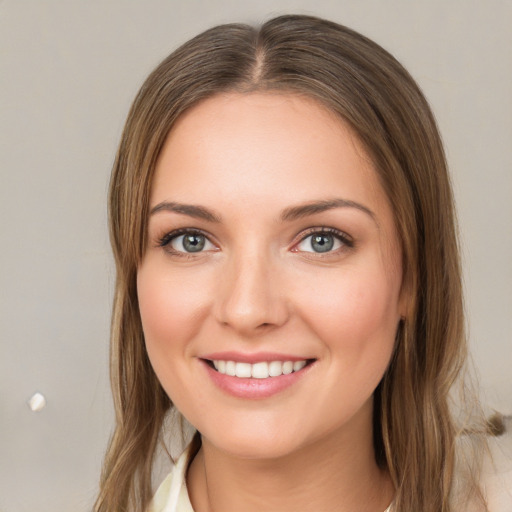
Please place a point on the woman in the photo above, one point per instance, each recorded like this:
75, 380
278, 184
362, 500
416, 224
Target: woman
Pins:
288, 277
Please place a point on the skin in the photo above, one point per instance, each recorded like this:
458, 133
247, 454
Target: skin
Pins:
258, 285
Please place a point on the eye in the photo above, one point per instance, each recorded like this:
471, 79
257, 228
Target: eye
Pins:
324, 240
185, 242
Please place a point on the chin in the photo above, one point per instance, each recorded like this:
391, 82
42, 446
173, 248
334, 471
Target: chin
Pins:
253, 440
256, 447
264, 440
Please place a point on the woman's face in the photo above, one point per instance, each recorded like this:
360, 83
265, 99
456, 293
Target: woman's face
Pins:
272, 249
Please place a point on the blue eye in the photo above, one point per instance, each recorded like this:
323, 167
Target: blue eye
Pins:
189, 243
323, 241
185, 242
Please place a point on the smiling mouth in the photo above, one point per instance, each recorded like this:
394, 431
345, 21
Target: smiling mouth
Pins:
260, 370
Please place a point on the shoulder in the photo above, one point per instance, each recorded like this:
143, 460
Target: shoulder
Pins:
496, 476
485, 462
172, 494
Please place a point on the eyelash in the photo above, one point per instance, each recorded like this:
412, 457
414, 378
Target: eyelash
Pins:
165, 241
346, 240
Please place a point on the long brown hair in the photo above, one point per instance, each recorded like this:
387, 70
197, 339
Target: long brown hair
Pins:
414, 430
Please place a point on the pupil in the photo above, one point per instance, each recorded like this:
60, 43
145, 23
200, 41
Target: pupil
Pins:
322, 243
193, 243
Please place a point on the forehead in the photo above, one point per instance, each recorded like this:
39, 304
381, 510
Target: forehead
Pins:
263, 145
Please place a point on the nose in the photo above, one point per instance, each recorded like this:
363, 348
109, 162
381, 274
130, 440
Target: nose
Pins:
250, 297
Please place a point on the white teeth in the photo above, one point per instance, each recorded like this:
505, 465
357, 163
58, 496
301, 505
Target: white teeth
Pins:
275, 368
243, 370
298, 365
261, 370
230, 368
287, 367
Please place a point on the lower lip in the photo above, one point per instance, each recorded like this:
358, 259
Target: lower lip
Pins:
254, 389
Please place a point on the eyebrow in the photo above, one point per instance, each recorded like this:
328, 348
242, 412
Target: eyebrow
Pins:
198, 212
287, 215
310, 208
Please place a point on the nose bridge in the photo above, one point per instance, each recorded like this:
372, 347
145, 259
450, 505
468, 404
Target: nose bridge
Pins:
250, 297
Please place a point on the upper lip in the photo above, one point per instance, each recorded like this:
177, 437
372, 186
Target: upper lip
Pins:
256, 357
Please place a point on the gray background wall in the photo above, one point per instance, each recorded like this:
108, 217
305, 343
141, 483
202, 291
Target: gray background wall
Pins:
68, 72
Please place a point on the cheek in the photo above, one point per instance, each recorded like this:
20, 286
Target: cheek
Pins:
354, 310
171, 308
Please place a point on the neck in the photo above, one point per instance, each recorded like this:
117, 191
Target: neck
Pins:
336, 473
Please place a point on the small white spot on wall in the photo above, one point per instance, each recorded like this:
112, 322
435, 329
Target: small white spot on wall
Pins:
37, 402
